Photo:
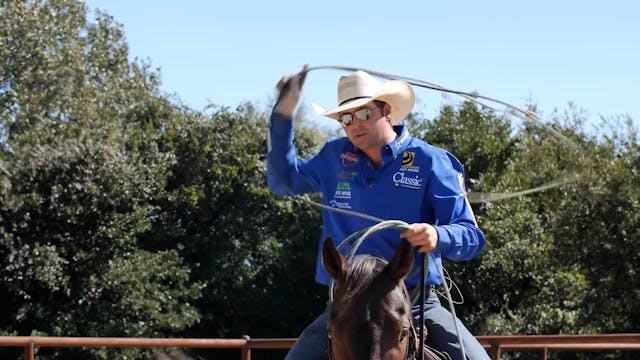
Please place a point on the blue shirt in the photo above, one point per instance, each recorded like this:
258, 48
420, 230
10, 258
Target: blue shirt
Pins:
416, 183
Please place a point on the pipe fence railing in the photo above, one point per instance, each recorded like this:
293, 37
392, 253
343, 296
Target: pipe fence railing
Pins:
494, 344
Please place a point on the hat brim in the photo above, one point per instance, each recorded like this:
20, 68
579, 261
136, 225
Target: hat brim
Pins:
398, 94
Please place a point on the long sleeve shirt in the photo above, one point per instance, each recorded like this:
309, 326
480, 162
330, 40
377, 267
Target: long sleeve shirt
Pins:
416, 183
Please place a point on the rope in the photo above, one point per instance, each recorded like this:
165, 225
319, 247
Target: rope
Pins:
526, 115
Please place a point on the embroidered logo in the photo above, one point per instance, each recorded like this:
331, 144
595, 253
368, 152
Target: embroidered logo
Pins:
408, 181
349, 159
343, 191
407, 161
347, 175
401, 140
340, 204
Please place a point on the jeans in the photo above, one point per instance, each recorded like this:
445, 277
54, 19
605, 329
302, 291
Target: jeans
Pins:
312, 342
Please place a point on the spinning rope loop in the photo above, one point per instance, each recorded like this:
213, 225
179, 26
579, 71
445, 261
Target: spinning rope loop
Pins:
485, 101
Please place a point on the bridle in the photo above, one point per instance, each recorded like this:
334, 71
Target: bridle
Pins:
409, 353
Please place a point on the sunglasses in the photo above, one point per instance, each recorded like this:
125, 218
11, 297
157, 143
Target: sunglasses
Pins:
361, 114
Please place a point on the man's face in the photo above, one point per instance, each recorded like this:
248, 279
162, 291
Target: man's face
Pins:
369, 127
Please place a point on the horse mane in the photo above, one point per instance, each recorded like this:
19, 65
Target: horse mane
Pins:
362, 270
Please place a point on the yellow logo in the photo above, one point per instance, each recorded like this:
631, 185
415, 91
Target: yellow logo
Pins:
407, 161
407, 158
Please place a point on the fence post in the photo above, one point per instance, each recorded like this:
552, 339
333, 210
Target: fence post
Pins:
246, 349
544, 353
495, 352
30, 351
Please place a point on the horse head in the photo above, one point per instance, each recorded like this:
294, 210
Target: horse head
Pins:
370, 317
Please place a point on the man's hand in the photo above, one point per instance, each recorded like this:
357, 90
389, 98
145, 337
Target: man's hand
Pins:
422, 235
289, 92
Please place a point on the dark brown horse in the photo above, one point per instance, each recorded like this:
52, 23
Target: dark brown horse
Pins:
370, 317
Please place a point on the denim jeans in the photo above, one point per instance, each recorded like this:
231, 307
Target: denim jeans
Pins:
312, 342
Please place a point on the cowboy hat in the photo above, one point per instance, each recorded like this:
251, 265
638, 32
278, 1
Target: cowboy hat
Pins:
360, 88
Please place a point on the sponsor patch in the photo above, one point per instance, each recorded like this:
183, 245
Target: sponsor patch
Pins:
349, 159
409, 181
347, 175
340, 204
407, 161
343, 190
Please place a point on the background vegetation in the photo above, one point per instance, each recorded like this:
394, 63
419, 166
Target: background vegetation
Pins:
125, 213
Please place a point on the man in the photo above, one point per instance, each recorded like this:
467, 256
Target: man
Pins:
379, 169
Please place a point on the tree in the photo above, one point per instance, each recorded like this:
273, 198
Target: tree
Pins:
81, 187
253, 251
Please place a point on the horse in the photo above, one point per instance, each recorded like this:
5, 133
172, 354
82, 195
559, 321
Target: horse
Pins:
370, 316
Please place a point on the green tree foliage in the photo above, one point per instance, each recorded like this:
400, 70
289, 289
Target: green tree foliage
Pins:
481, 140
246, 245
561, 260
75, 198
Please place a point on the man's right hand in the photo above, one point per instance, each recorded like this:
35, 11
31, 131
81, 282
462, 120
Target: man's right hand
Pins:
289, 92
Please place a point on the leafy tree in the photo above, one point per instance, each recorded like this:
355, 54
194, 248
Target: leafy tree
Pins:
253, 251
597, 231
77, 197
482, 141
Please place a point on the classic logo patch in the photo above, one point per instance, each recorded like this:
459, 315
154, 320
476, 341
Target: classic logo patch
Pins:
410, 181
349, 159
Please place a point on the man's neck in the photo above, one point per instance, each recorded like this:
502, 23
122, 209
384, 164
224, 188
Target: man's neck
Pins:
375, 153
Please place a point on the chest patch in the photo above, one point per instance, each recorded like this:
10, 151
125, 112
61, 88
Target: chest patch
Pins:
348, 159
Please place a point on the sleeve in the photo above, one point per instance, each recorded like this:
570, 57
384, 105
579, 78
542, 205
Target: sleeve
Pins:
459, 237
286, 175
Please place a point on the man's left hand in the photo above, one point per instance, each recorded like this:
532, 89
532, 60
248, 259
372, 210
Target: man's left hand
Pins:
290, 92
422, 235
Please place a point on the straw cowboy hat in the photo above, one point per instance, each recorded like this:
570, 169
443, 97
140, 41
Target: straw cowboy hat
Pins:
360, 88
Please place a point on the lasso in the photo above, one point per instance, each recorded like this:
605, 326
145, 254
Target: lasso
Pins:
485, 101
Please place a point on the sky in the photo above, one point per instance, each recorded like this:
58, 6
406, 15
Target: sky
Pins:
543, 52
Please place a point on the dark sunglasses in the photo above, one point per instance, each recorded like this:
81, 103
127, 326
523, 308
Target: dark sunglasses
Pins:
361, 114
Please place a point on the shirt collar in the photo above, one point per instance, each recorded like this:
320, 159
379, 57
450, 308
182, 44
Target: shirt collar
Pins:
400, 143
397, 146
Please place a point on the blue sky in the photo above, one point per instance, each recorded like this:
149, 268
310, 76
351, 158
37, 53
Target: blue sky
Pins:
546, 52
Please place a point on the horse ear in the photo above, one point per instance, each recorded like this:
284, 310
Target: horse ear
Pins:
333, 261
402, 261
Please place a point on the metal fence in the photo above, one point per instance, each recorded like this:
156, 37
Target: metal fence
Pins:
495, 345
